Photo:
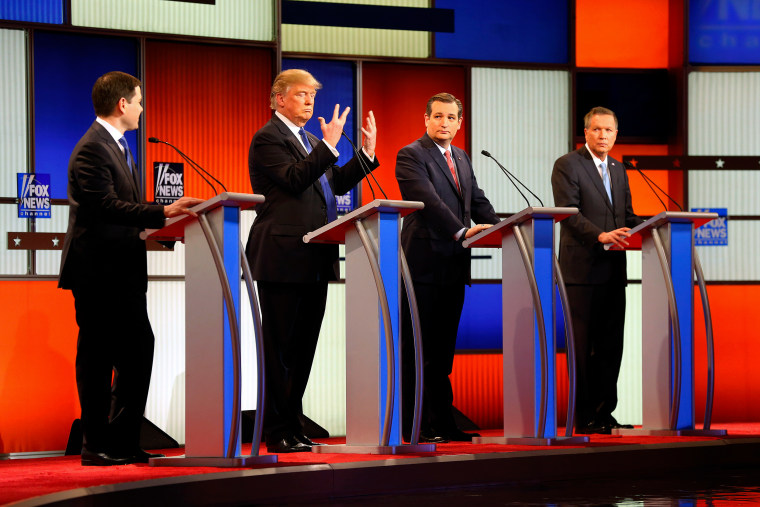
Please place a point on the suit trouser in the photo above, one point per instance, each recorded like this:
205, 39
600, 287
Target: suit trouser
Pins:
440, 308
598, 313
291, 315
113, 367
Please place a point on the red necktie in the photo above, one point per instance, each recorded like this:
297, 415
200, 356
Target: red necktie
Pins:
452, 169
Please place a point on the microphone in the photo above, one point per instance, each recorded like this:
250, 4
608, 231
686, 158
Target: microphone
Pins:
195, 167
364, 167
651, 182
511, 176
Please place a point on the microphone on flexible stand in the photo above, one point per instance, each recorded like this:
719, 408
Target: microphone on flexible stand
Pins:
511, 176
195, 167
651, 182
364, 167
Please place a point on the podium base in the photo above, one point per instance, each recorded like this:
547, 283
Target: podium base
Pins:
373, 449
670, 433
530, 440
239, 461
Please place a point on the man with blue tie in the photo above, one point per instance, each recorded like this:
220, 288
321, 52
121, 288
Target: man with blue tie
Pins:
595, 183
296, 172
104, 263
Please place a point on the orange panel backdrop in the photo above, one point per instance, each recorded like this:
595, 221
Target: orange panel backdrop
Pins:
631, 34
38, 391
208, 101
397, 94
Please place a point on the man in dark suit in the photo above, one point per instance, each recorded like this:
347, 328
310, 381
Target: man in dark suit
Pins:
440, 175
104, 263
596, 184
296, 172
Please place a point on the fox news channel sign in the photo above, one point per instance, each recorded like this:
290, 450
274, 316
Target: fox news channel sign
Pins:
33, 195
169, 181
346, 202
714, 232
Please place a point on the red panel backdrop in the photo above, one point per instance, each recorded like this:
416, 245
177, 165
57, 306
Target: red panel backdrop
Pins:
208, 101
397, 94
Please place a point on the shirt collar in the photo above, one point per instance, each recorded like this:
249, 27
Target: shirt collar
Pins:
596, 159
111, 130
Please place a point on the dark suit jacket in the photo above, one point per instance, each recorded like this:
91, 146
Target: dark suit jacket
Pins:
281, 170
102, 247
427, 236
576, 183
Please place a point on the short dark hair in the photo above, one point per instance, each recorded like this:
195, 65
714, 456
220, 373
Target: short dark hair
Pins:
599, 110
446, 98
110, 88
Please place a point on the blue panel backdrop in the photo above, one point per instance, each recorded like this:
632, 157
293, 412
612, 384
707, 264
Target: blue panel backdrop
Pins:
506, 31
338, 87
724, 32
65, 68
35, 11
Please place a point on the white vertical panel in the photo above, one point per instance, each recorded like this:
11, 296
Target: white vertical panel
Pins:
739, 260
234, 19
629, 408
359, 41
166, 400
724, 113
735, 190
167, 262
325, 398
11, 262
13, 118
49, 261
522, 118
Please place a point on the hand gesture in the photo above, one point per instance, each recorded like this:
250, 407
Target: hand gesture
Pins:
370, 135
332, 131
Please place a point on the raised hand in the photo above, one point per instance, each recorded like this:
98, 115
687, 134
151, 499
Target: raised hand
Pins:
331, 132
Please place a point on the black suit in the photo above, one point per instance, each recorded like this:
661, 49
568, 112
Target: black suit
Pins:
595, 277
440, 268
104, 262
292, 275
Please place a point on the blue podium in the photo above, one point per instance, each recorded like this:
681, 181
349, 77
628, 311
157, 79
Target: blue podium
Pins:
529, 274
374, 268
214, 257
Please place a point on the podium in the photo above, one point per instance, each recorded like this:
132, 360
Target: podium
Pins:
374, 265
213, 259
528, 330
669, 262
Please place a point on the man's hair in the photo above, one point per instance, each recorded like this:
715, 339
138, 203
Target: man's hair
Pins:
110, 88
446, 98
598, 111
288, 78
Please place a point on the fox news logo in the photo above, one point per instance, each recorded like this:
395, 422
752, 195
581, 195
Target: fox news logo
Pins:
345, 202
33, 195
714, 232
169, 181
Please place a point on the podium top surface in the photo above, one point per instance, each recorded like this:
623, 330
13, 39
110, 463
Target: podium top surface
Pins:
335, 231
634, 241
174, 228
491, 237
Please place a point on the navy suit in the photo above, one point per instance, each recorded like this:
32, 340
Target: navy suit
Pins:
440, 268
104, 263
292, 275
595, 277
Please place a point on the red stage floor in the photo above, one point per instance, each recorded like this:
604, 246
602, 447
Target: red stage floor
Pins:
328, 476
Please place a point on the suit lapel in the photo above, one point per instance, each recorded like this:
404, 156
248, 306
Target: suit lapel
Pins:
617, 181
592, 172
460, 161
297, 147
121, 160
440, 160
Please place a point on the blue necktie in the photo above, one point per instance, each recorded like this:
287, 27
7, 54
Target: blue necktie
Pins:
332, 207
606, 180
127, 153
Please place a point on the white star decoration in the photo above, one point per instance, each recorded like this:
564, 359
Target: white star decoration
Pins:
55, 241
720, 163
16, 241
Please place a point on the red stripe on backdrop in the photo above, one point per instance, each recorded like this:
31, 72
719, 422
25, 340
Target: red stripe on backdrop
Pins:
208, 101
397, 94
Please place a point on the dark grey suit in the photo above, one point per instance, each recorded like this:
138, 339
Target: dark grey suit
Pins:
595, 277
440, 268
104, 262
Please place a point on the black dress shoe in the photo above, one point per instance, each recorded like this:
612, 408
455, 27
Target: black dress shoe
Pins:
306, 440
102, 459
287, 444
458, 435
432, 439
593, 428
612, 423
142, 456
